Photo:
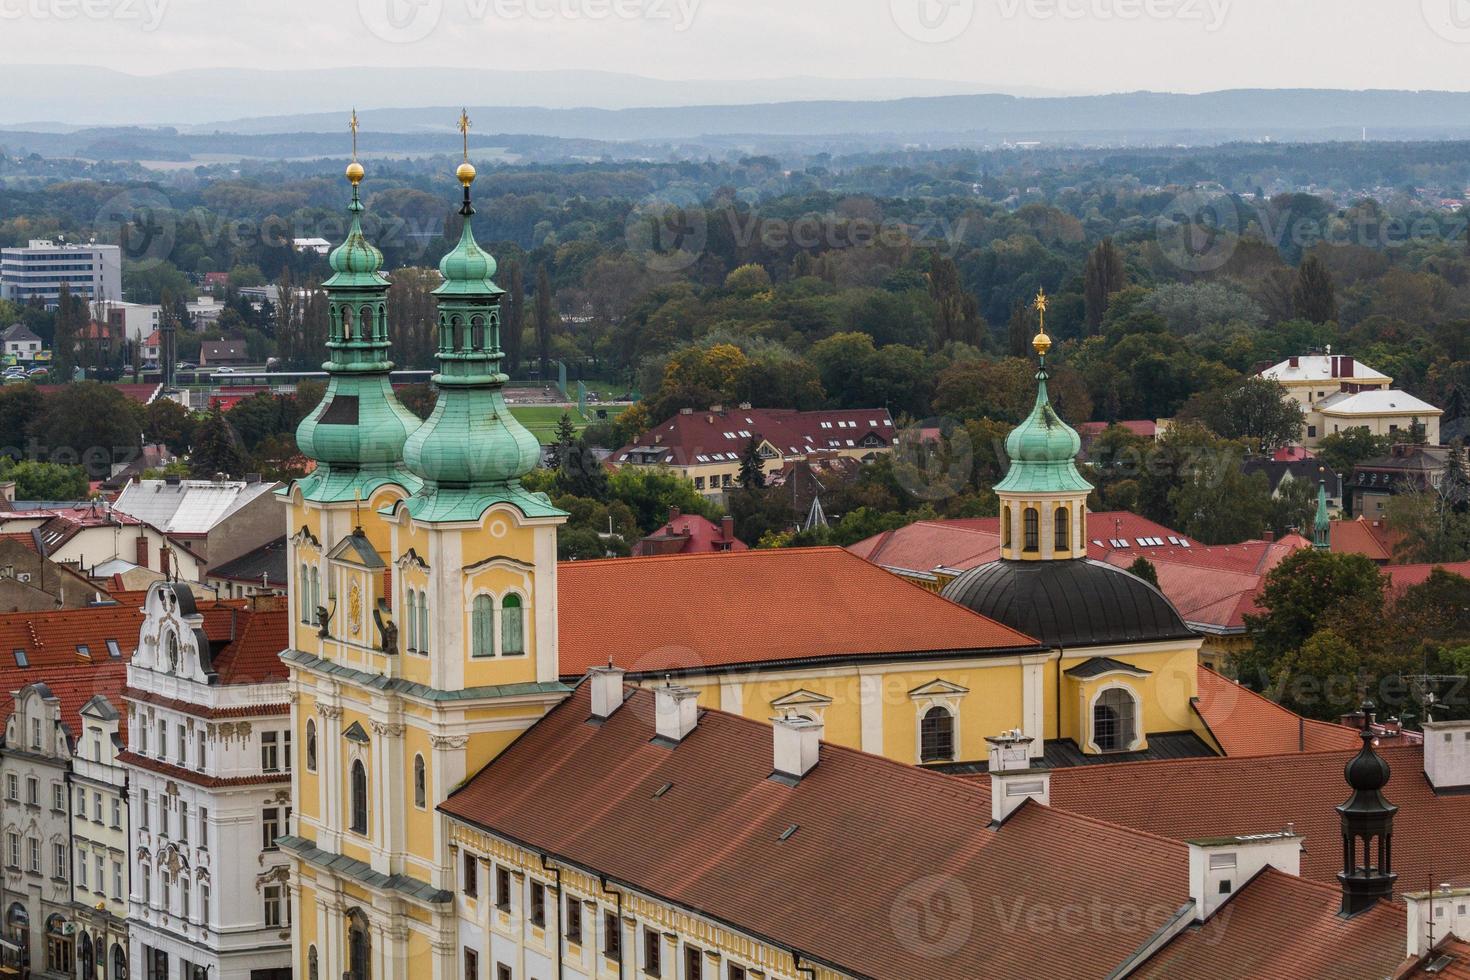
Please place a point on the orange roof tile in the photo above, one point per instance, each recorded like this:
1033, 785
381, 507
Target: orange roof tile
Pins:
690, 612
1190, 798
1277, 925
726, 840
1458, 968
1246, 723
1404, 576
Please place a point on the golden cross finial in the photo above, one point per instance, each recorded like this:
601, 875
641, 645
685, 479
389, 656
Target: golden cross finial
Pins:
1041, 342
464, 130
353, 126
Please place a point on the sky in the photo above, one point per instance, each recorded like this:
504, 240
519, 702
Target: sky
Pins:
1065, 46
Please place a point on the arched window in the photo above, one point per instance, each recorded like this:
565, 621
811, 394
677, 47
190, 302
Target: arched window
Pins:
456, 333
359, 798
420, 783
172, 647
359, 952
1031, 530
1062, 531
482, 627
311, 745
512, 626
1114, 720
365, 325
477, 333
313, 967
119, 962
936, 736
1005, 526
346, 323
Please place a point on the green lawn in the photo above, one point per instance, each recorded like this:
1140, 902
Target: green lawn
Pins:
542, 419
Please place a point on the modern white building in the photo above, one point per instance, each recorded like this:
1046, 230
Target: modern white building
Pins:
37, 272
100, 838
209, 770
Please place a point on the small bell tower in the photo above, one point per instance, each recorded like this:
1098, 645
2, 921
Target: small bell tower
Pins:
1043, 499
1367, 827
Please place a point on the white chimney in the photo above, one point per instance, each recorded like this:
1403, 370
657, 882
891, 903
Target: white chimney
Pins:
1218, 866
1012, 780
1435, 916
1447, 754
607, 690
797, 746
676, 710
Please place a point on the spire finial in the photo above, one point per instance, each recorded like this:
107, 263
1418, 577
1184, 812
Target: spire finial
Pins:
1041, 342
466, 171
354, 169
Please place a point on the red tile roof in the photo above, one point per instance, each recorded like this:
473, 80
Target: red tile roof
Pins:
1191, 798
1457, 969
683, 439
688, 534
963, 544
1278, 925
23, 538
199, 778
1404, 576
1363, 537
50, 641
261, 632
690, 612
1246, 723
1148, 428
870, 846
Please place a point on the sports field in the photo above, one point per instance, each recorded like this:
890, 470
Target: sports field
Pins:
542, 419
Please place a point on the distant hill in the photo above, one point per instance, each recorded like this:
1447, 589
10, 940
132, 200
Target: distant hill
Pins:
1290, 114
45, 97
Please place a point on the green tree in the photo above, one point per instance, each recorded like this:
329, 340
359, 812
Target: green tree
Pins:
1308, 591
1145, 570
513, 319
217, 448
562, 442
546, 321
20, 407
168, 422
650, 492
1430, 523
1217, 503
71, 321
958, 314
1313, 297
44, 481
1256, 411
1341, 451
752, 467
90, 423
1103, 275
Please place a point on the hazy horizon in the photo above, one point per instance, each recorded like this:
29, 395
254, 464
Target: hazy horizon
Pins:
1061, 46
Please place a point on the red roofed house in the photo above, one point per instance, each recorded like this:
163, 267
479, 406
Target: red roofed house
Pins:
209, 762
689, 534
64, 670
706, 447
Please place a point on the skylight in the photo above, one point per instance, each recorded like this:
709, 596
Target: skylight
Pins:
20, 658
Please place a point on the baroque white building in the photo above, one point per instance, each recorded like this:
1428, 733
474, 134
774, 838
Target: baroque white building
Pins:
209, 768
99, 829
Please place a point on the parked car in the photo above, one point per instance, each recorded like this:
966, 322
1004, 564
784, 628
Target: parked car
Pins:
37, 372
224, 370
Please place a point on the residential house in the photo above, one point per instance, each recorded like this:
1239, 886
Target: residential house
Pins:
1337, 393
19, 342
99, 828
706, 447
94, 538
689, 534
30, 582
223, 353
264, 571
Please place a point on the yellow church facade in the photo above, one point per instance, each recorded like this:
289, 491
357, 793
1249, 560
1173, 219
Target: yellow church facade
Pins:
428, 622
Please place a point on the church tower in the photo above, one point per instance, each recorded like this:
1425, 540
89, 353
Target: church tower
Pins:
1043, 499
434, 639
1322, 531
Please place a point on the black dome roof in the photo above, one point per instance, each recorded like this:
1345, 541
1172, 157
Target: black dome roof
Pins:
1070, 603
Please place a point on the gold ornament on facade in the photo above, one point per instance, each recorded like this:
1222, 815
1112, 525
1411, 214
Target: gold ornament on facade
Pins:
354, 169
354, 609
466, 171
